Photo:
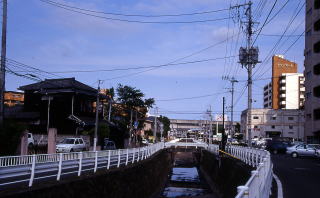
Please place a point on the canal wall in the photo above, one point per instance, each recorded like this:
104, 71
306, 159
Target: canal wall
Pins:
224, 174
140, 180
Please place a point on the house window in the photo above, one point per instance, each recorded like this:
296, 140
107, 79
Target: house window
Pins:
316, 69
316, 91
290, 127
255, 117
290, 118
273, 127
316, 47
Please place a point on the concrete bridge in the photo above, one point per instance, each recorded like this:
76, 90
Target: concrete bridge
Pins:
32, 171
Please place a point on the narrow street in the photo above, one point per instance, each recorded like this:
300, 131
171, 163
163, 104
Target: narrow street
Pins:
300, 177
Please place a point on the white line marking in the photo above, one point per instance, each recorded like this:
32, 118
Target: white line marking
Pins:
279, 185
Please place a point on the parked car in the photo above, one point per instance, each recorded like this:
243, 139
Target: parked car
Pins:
30, 140
276, 146
317, 153
109, 145
71, 145
301, 150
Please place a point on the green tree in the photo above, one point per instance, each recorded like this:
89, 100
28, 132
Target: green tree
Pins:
130, 101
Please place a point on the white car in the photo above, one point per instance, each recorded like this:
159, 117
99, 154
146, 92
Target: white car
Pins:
30, 140
71, 145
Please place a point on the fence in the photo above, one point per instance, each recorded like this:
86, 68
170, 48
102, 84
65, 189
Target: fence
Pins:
259, 184
19, 169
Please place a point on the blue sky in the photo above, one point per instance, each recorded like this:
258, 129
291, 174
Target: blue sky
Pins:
54, 39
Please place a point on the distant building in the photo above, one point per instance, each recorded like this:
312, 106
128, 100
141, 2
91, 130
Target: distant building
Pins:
286, 89
312, 71
290, 94
13, 98
274, 123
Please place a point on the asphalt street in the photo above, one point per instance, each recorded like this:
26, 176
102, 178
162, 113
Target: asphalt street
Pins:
300, 177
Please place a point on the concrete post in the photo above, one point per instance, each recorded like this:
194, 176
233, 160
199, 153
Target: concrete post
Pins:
52, 138
24, 143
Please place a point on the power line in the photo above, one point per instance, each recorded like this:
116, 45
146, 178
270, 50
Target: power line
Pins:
140, 67
264, 23
134, 21
136, 15
188, 98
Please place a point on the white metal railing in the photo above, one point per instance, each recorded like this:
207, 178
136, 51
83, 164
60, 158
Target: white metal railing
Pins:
259, 184
17, 169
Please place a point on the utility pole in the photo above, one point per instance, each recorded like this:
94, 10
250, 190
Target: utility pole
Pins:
109, 113
248, 57
210, 125
155, 125
3, 59
233, 81
223, 142
97, 119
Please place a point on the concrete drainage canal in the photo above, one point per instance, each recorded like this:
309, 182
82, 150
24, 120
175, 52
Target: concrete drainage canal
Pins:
185, 179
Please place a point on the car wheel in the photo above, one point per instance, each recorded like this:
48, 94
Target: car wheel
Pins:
294, 155
275, 151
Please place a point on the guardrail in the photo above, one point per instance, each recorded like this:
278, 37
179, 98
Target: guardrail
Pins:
259, 184
19, 169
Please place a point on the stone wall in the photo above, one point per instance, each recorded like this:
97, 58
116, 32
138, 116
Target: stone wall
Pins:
224, 174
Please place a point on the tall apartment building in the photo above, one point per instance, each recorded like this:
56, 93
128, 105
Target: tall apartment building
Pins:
312, 71
286, 90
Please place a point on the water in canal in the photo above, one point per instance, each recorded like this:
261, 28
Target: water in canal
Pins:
184, 179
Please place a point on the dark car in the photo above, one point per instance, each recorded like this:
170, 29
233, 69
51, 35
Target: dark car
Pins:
277, 146
109, 145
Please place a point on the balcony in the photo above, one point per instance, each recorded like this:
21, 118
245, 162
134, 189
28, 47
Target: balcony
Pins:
282, 95
282, 88
283, 81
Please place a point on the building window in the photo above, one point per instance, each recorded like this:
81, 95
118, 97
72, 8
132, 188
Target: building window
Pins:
290, 132
316, 25
255, 117
290, 127
316, 91
273, 127
290, 118
316, 47
316, 69
255, 127
316, 4
316, 114
273, 118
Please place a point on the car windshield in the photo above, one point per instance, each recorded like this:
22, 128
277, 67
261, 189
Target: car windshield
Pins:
67, 141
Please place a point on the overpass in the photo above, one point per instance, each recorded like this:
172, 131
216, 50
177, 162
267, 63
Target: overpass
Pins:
25, 170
